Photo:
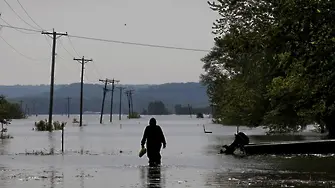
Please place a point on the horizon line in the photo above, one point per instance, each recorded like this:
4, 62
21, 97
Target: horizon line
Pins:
188, 82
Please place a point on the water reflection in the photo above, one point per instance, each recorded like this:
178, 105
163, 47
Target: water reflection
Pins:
4, 173
81, 140
3, 146
152, 177
52, 176
82, 176
51, 140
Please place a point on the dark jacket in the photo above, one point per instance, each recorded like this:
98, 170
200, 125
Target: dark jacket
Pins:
154, 137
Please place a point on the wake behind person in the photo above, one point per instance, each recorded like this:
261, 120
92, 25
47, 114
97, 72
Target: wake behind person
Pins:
154, 137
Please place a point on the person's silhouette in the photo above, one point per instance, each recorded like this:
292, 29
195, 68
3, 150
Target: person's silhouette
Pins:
154, 137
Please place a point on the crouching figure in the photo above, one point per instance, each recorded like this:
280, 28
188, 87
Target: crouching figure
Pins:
240, 141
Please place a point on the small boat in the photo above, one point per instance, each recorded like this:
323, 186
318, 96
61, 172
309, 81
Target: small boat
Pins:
296, 147
282, 148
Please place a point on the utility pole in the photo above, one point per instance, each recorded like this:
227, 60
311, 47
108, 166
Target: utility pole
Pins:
120, 104
130, 101
34, 108
82, 61
55, 35
21, 105
26, 110
112, 98
68, 106
106, 81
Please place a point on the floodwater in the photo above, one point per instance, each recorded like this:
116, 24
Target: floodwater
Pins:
107, 156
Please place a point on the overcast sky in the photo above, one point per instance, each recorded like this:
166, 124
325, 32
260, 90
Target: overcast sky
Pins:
181, 23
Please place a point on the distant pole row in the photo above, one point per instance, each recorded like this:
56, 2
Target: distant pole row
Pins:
106, 81
28, 110
105, 90
120, 104
55, 35
112, 98
129, 94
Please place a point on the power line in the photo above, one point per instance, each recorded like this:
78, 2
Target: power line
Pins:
28, 14
138, 44
14, 28
21, 28
96, 70
61, 42
115, 41
43, 29
73, 46
27, 57
37, 31
47, 40
18, 15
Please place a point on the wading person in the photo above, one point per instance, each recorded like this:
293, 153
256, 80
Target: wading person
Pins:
154, 137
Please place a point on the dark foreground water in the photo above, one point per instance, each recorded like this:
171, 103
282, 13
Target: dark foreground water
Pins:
107, 156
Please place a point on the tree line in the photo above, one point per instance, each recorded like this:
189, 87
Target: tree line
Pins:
159, 108
273, 64
9, 110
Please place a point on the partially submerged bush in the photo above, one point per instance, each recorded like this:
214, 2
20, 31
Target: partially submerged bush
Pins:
3, 130
43, 125
5, 136
134, 115
58, 126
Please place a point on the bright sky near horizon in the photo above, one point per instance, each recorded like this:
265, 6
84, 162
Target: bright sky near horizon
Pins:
178, 23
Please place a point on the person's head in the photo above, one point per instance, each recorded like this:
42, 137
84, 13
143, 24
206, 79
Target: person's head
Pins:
152, 122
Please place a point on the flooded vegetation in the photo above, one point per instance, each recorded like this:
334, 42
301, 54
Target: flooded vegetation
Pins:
43, 125
97, 155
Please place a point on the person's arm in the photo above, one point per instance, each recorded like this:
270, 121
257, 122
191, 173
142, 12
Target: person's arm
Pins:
144, 138
162, 137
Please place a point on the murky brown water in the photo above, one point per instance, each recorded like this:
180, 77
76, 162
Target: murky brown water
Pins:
107, 156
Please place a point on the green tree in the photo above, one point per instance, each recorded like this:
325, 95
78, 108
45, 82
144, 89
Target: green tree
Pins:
8, 111
273, 63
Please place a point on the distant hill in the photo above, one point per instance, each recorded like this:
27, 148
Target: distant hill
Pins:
170, 94
24, 90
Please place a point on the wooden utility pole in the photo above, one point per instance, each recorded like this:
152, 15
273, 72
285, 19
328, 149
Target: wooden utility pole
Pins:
55, 35
82, 61
120, 104
112, 98
26, 110
34, 108
130, 101
68, 106
106, 81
